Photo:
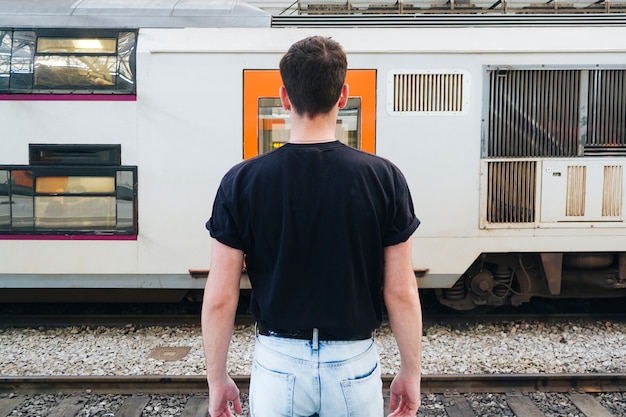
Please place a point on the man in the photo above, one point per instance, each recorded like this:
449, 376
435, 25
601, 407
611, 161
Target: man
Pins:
324, 229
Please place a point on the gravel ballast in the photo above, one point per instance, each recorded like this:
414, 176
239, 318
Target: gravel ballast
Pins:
508, 348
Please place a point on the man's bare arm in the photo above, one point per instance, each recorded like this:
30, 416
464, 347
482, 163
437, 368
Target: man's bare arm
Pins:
405, 316
219, 306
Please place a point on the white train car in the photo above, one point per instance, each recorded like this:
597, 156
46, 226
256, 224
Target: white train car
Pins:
118, 122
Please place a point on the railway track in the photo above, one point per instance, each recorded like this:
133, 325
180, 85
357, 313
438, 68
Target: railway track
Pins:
144, 320
188, 314
463, 395
454, 393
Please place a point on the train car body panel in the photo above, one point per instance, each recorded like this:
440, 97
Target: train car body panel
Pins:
450, 218
182, 129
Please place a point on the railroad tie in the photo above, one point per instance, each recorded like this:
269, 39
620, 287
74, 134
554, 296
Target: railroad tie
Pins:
522, 405
457, 406
133, 406
589, 405
197, 406
8, 404
69, 407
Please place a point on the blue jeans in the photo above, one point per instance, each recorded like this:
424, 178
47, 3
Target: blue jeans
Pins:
303, 378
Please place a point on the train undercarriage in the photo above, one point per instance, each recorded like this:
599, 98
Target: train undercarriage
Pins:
498, 279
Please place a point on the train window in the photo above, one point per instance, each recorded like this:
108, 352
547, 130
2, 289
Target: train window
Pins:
76, 45
81, 72
68, 199
44, 154
5, 58
23, 48
74, 185
85, 62
4, 199
274, 124
16, 200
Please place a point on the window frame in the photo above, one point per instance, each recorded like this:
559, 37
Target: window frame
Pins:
33, 232
22, 84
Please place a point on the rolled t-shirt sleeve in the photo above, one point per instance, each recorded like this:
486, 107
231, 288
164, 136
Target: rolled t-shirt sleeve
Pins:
403, 221
222, 224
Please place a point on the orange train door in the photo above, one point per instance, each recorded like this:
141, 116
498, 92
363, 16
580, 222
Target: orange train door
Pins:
266, 124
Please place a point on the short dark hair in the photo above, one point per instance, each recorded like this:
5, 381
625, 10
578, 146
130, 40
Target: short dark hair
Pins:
314, 72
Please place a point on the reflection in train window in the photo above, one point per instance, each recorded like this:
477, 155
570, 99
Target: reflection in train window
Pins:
16, 200
5, 58
68, 199
74, 202
75, 185
22, 198
70, 212
76, 45
5, 218
80, 62
79, 72
274, 124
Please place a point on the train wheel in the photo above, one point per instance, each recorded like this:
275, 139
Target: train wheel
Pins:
480, 289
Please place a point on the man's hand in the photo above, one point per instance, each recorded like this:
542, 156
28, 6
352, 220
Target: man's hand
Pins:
405, 396
220, 395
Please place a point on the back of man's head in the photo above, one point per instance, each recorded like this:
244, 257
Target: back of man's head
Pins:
313, 72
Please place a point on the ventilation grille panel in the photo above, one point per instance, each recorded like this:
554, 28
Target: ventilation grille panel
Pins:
612, 194
427, 92
582, 190
533, 113
606, 127
511, 191
576, 188
577, 191
570, 122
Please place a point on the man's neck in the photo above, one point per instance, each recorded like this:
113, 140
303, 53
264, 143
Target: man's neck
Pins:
319, 129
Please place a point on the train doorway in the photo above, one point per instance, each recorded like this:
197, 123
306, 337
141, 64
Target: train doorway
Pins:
266, 124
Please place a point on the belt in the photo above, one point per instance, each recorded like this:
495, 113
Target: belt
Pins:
307, 334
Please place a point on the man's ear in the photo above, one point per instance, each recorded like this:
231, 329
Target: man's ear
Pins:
284, 98
343, 98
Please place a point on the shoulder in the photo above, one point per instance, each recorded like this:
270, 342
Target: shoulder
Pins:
249, 167
380, 164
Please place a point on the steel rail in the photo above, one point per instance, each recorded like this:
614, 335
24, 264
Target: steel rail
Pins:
106, 320
145, 320
160, 384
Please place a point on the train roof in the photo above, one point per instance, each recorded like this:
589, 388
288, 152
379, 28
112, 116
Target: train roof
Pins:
137, 14
134, 14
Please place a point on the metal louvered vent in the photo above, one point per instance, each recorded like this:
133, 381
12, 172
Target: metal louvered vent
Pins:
579, 190
612, 191
427, 92
511, 191
606, 127
533, 113
552, 131
576, 188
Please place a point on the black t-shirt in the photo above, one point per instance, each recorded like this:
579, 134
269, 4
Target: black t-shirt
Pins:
313, 220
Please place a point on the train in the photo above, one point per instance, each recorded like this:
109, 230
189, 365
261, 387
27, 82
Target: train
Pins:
119, 119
